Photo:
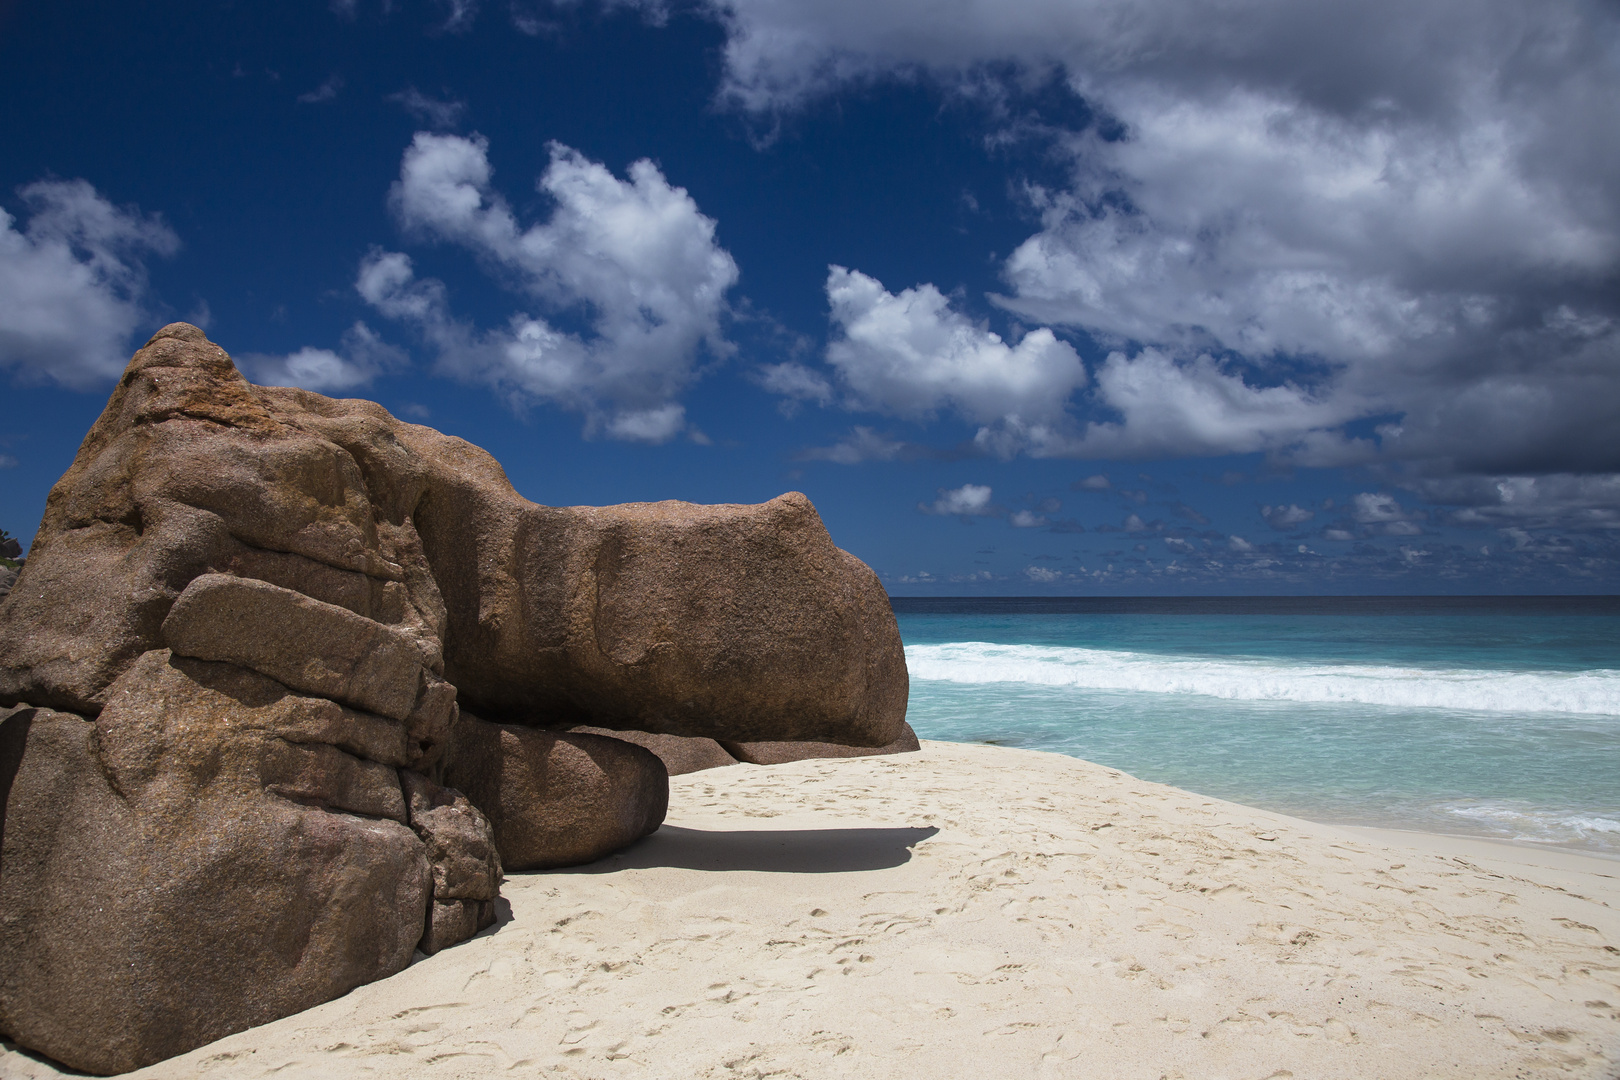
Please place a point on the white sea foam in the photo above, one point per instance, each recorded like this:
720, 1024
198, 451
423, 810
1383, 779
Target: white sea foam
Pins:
1593, 692
1525, 822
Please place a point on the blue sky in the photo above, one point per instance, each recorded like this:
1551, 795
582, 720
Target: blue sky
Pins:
1057, 296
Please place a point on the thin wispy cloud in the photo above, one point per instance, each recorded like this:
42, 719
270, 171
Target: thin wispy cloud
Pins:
325, 92
436, 114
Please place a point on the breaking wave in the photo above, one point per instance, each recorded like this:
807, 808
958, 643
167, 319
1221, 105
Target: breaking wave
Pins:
1592, 692
1520, 821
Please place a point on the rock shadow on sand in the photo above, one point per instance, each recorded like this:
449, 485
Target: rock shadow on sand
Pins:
779, 851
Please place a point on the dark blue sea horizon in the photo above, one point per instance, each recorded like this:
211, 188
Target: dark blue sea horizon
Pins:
1529, 604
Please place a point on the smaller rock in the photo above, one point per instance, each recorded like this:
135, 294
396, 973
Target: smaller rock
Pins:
462, 854
450, 922
8, 578
679, 753
218, 876
557, 798
780, 753
461, 845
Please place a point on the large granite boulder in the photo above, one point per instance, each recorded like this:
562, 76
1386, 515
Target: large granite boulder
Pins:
739, 622
245, 631
191, 471
558, 798
658, 617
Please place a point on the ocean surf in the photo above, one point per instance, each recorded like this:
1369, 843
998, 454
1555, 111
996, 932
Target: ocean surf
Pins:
1496, 722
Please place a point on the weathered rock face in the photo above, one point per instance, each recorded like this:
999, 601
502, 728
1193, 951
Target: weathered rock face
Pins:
657, 617
246, 627
780, 753
679, 753
740, 622
188, 471
194, 862
558, 798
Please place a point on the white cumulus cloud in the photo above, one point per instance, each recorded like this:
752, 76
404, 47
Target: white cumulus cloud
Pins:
1170, 407
634, 259
909, 354
364, 356
969, 500
73, 284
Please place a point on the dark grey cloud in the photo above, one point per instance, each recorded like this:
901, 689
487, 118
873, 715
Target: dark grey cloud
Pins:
1382, 234
1556, 501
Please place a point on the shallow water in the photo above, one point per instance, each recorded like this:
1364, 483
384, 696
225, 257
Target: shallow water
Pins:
1492, 723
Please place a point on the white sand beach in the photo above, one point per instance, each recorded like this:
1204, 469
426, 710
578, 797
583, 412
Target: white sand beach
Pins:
973, 911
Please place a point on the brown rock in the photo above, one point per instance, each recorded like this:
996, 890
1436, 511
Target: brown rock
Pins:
191, 470
780, 753
733, 622
306, 644
177, 871
740, 622
450, 922
462, 854
269, 602
679, 753
557, 798
316, 720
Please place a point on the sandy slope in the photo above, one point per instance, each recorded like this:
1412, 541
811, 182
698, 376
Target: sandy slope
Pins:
971, 911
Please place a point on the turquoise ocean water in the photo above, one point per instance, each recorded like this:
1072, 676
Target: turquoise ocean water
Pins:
1496, 718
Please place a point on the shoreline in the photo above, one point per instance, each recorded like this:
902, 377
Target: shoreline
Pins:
1389, 834
1527, 852
972, 910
